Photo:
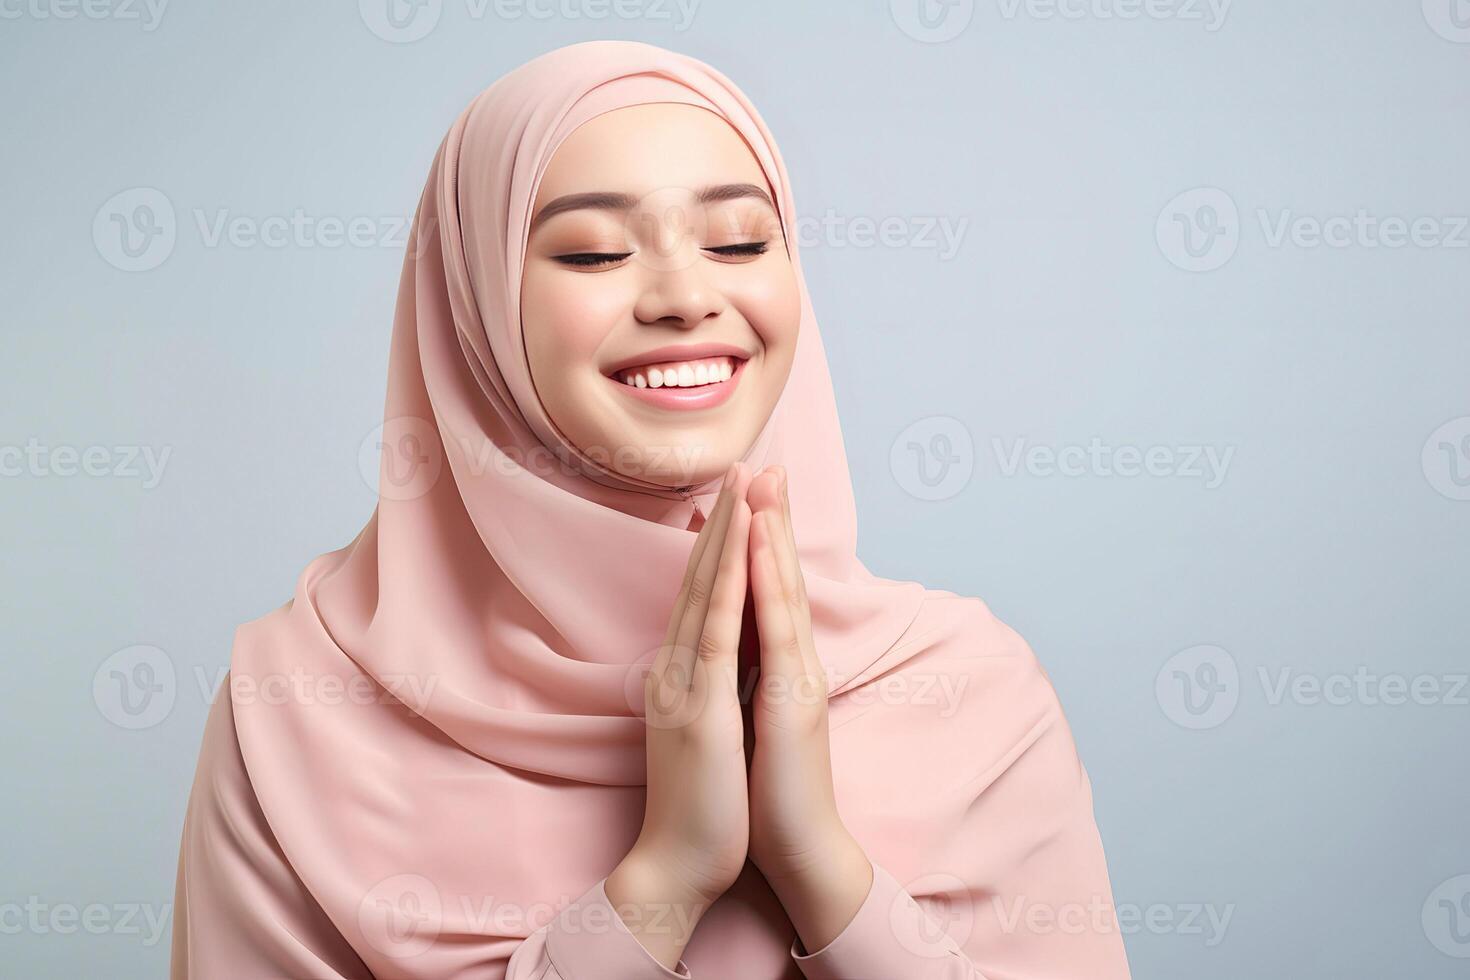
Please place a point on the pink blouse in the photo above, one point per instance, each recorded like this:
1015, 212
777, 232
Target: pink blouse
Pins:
276, 927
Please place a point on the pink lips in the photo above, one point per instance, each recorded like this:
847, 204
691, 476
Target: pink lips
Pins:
701, 396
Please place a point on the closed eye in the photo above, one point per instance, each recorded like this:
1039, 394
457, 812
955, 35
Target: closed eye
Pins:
744, 248
592, 258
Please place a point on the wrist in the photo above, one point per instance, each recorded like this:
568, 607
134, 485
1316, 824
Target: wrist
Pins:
660, 913
794, 864
824, 895
838, 859
643, 878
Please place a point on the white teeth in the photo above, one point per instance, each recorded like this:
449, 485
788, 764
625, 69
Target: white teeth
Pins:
687, 375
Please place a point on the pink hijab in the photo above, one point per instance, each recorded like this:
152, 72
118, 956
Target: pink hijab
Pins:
465, 681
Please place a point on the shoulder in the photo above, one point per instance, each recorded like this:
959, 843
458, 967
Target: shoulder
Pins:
964, 630
220, 779
241, 909
999, 693
224, 820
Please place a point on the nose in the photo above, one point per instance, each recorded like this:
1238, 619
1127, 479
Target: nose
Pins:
676, 286
679, 296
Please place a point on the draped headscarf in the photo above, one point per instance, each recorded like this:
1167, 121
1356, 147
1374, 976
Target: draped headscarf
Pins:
461, 699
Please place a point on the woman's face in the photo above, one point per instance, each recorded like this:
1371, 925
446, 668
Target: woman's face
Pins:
656, 257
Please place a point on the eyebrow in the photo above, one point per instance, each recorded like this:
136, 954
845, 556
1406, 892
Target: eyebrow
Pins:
615, 201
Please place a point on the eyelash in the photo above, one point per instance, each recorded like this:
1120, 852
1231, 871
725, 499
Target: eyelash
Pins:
593, 259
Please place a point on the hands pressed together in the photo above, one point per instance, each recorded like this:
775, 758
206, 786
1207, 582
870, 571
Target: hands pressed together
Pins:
728, 782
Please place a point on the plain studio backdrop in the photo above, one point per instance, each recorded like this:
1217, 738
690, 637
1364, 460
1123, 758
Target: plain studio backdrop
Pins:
1147, 320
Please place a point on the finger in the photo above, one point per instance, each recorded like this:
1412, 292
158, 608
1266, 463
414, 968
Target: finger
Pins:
790, 564
696, 556
796, 583
780, 643
718, 645
700, 594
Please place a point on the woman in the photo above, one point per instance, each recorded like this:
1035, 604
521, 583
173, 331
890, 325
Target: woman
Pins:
602, 689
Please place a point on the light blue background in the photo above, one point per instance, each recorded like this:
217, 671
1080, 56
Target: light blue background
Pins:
1336, 541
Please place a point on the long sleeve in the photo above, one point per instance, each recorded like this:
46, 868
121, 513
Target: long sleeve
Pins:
882, 940
1021, 891
891, 937
242, 912
557, 951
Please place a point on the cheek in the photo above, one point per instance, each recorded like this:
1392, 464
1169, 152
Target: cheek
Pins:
567, 317
771, 305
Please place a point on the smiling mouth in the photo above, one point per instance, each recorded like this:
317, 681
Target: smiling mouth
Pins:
702, 382
695, 373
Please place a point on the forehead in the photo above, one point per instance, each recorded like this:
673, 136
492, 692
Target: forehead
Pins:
640, 149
